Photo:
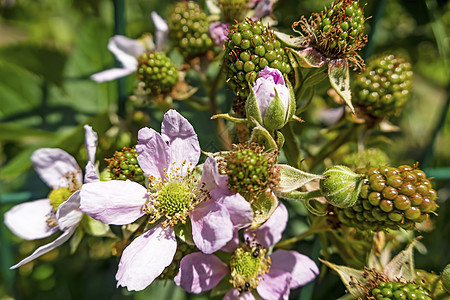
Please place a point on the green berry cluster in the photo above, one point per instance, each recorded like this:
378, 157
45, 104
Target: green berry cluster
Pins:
251, 47
399, 291
189, 29
124, 165
157, 72
249, 171
171, 270
391, 198
233, 9
384, 87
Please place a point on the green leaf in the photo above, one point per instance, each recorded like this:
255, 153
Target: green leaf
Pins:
17, 165
14, 131
351, 278
315, 78
340, 79
309, 57
263, 208
292, 178
402, 265
290, 40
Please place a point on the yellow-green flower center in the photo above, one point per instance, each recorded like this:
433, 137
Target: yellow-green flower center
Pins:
247, 264
175, 198
58, 196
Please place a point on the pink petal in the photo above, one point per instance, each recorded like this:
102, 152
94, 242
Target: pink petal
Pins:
90, 173
262, 9
126, 50
275, 285
200, 272
46, 248
28, 220
146, 258
179, 134
211, 226
233, 244
112, 74
240, 210
68, 214
54, 165
270, 232
153, 153
301, 267
90, 139
113, 202
162, 31
211, 177
233, 294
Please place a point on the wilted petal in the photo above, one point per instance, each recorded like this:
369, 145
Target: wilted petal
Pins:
146, 258
56, 167
113, 202
126, 50
162, 31
270, 232
153, 153
28, 220
68, 214
46, 248
262, 9
112, 74
90, 140
211, 226
275, 285
200, 272
218, 31
302, 268
240, 210
211, 177
90, 173
179, 134
233, 294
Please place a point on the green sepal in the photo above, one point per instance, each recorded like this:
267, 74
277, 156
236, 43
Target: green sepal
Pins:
353, 279
315, 78
263, 208
309, 57
184, 232
316, 207
94, 227
280, 139
275, 117
261, 136
75, 240
292, 178
290, 40
230, 118
338, 73
297, 71
251, 106
292, 101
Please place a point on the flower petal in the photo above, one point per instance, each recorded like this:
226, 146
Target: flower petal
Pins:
146, 258
179, 134
233, 294
200, 272
233, 244
270, 232
153, 153
28, 220
68, 214
126, 50
90, 173
54, 165
113, 202
211, 177
90, 140
46, 248
302, 268
240, 210
162, 31
275, 285
112, 74
211, 226
262, 9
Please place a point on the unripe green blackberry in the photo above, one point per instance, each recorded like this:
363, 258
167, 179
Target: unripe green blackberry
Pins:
157, 72
250, 171
391, 198
336, 32
171, 270
383, 88
124, 165
250, 47
396, 290
233, 9
445, 278
189, 29
371, 157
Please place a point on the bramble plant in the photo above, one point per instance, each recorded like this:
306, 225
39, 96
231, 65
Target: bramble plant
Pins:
288, 162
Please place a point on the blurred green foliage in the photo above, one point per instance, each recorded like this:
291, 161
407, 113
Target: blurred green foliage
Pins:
48, 50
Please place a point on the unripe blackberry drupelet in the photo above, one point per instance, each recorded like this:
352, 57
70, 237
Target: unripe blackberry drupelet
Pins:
399, 291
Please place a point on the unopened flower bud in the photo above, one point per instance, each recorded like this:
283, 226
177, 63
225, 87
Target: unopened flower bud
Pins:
341, 186
271, 101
